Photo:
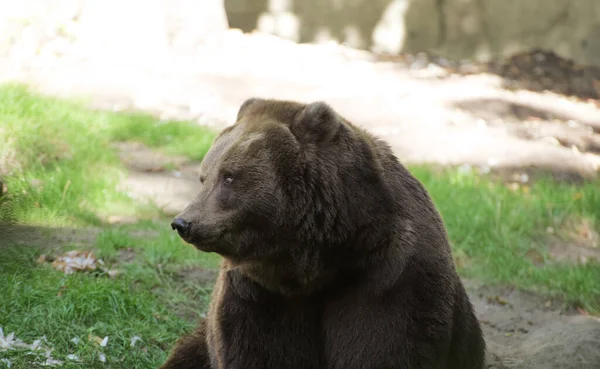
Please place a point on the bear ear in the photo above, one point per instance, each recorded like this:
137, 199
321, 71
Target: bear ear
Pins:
246, 104
317, 122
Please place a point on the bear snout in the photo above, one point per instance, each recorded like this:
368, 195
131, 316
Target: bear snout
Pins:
181, 225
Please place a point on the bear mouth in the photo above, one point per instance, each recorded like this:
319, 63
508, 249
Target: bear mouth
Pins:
201, 241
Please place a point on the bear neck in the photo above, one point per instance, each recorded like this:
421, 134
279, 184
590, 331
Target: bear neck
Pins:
312, 269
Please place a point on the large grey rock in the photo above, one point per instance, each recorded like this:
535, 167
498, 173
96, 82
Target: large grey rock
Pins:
571, 28
455, 28
572, 343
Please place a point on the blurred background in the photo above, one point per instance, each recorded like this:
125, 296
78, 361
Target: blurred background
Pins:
107, 108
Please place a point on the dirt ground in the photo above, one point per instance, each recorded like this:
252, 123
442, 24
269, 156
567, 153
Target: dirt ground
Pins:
427, 115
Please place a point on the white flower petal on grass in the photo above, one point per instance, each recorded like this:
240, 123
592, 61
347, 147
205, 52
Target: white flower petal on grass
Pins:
6, 342
11, 343
75, 340
36, 345
52, 362
6, 361
102, 357
104, 342
73, 357
134, 339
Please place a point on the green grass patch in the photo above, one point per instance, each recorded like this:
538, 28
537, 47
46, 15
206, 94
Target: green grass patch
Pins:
171, 137
149, 298
57, 163
54, 160
502, 235
60, 169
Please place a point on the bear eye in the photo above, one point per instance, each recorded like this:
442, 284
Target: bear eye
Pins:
202, 179
228, 180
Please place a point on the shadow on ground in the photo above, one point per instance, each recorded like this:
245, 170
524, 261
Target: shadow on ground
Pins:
564, 137
44, 238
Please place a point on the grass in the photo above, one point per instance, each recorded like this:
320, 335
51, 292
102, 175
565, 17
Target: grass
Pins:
58, 163
147, 299
501, 235
189, 140
61, 171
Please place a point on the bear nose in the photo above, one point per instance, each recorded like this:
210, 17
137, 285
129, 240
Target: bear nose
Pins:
180, 225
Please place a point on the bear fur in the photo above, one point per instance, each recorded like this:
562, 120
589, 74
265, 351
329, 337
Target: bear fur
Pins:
334, 255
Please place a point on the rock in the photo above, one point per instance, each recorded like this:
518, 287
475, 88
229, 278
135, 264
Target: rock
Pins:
572, 343
457, 29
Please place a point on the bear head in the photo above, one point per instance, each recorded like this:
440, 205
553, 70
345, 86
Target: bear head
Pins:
291, 180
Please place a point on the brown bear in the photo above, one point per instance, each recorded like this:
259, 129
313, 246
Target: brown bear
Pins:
334, 255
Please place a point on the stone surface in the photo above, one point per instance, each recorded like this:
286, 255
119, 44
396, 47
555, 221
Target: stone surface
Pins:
455, 28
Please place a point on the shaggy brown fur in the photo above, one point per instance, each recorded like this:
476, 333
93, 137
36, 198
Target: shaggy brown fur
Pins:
334, 255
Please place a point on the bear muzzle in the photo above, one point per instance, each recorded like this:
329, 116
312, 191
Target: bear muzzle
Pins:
182, 226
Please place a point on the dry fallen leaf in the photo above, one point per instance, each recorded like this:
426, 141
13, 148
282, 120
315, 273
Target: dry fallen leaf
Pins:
98, 340
134, 339
42, 259
535, 257
73, 261
76, 260
497, 299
